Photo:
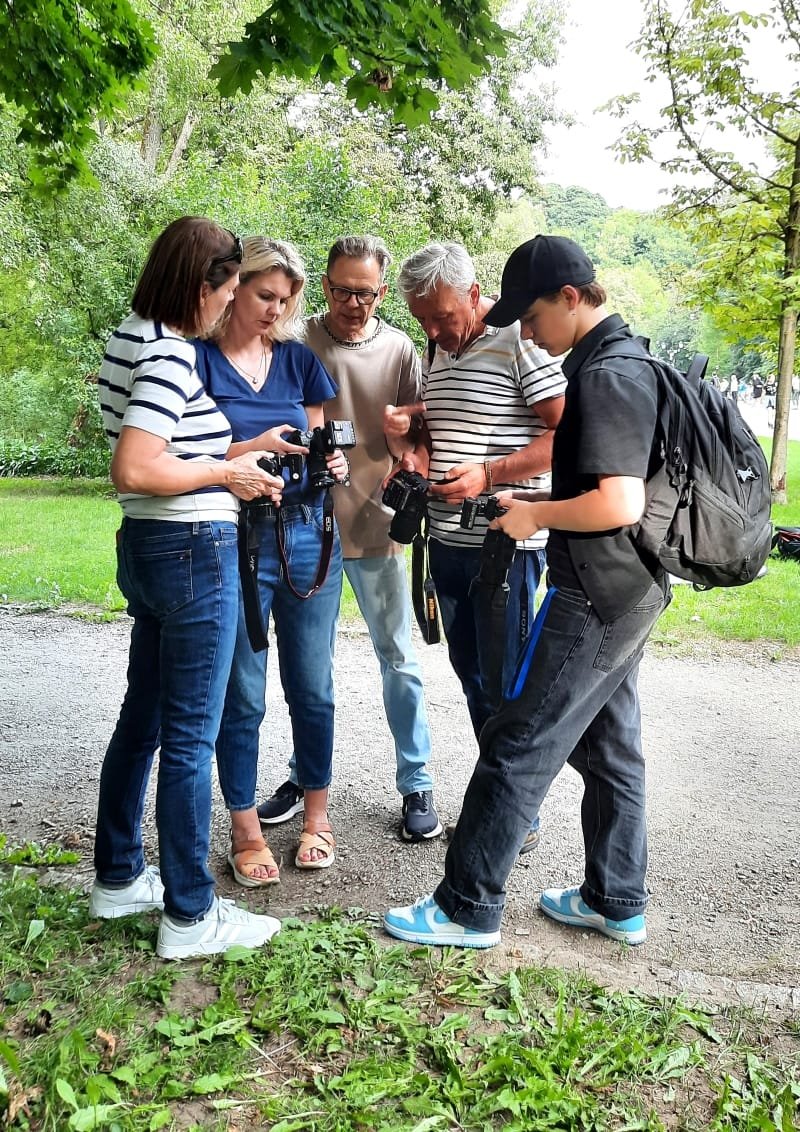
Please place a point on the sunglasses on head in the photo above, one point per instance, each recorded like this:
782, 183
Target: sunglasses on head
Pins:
236, 255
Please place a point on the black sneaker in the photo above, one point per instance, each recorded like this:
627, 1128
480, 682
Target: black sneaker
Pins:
284, 804
420, 819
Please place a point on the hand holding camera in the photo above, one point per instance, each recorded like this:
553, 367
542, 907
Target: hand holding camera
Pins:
325, 461
406, 494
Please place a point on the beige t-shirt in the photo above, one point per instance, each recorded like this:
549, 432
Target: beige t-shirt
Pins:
380, 370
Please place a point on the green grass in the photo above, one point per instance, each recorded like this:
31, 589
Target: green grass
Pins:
57, 546
328, 1030
57, 549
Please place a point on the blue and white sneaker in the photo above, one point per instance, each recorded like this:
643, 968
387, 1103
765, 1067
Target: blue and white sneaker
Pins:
425, 922
568, 907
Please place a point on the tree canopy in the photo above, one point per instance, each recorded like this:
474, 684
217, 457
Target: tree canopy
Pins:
743, 215
67, 65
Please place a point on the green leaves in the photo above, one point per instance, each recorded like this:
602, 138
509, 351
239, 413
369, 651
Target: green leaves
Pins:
65, 64
384, 54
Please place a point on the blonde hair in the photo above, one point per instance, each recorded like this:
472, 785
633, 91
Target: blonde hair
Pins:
261, 256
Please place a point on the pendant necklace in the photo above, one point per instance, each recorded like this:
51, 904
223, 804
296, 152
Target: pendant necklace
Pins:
254, 378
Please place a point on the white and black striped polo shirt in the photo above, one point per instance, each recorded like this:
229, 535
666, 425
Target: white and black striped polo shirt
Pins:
148, 380
482, 405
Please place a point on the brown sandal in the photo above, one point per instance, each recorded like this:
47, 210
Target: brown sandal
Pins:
246, 856
321, 840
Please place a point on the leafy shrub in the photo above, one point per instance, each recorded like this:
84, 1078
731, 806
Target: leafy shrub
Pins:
51, 458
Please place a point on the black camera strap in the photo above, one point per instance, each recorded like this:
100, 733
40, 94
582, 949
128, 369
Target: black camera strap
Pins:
248, 545
326, 550
423, 591
489, 589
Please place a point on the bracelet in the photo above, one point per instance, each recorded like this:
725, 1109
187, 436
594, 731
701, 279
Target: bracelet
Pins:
487, 471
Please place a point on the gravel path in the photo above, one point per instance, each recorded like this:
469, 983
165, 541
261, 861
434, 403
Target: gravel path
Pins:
721, 740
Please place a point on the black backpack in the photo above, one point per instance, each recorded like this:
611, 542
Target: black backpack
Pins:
707, 509
786, 542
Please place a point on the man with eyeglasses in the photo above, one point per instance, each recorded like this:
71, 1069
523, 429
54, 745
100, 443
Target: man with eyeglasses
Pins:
373, 364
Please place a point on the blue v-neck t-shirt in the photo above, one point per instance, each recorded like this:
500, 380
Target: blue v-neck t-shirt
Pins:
296, 379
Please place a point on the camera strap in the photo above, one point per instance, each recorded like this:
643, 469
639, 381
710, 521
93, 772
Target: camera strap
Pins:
423, 591
489, 592
248, 545
325, 550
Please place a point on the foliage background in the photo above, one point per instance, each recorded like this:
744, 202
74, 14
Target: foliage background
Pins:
295, 159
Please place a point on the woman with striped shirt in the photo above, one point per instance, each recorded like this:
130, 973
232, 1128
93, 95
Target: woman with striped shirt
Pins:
177, 567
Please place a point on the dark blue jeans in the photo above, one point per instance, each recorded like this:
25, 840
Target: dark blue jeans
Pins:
579, 704
181, 584
468, 630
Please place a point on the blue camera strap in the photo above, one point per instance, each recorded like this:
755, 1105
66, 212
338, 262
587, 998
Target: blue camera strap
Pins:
517, 682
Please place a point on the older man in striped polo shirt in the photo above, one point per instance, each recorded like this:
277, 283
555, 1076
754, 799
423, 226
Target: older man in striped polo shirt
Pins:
491, 402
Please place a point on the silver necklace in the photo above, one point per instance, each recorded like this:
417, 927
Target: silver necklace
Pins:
258, 376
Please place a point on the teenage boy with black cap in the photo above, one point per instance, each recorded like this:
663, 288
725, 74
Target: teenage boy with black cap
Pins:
575, 698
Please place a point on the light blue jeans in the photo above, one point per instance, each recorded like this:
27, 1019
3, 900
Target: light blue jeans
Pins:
381, 591
305, 631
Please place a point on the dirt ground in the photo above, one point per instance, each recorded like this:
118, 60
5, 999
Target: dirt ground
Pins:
721, 741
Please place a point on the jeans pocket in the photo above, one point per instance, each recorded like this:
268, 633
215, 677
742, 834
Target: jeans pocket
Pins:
158, 573
625, 636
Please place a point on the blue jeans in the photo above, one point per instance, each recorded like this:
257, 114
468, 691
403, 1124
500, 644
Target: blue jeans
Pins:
180, 581
468, 631
579, 704
305, 632
381, 591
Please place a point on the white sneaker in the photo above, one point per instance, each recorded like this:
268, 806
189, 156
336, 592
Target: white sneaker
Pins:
145, 894
223, 926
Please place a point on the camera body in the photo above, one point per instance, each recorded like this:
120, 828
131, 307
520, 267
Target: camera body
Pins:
292, 461
472, 508
406, 494
321, 442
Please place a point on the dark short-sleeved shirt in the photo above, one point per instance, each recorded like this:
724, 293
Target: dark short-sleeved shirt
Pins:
296, 378
607, 429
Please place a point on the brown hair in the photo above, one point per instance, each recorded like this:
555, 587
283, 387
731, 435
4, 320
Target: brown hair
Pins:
189, 252
591, 293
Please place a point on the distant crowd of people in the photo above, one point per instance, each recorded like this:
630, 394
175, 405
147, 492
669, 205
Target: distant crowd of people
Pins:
756, 389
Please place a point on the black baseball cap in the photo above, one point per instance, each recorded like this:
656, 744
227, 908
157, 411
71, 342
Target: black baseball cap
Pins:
540, 266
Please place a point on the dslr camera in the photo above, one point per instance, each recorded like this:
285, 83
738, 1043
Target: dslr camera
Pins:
293, 461
321, 442
406, 494
472, 508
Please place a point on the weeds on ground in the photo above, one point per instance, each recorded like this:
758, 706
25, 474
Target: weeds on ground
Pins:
327, 1030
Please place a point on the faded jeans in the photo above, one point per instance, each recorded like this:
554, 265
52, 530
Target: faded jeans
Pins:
578, 704
381, 591
306, 633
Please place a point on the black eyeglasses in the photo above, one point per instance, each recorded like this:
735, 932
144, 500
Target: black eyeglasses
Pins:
342, 294
236, 255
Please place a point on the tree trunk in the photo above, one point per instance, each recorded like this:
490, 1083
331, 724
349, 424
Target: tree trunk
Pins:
189, 123
787, 341
780, 435
152, 130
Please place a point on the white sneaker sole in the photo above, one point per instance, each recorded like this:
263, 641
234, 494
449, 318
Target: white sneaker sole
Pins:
445, 939
214, 946
598, 925
413, 837
297, 808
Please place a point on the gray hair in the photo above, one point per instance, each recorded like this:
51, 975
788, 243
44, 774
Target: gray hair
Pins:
360, 247
435, 264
